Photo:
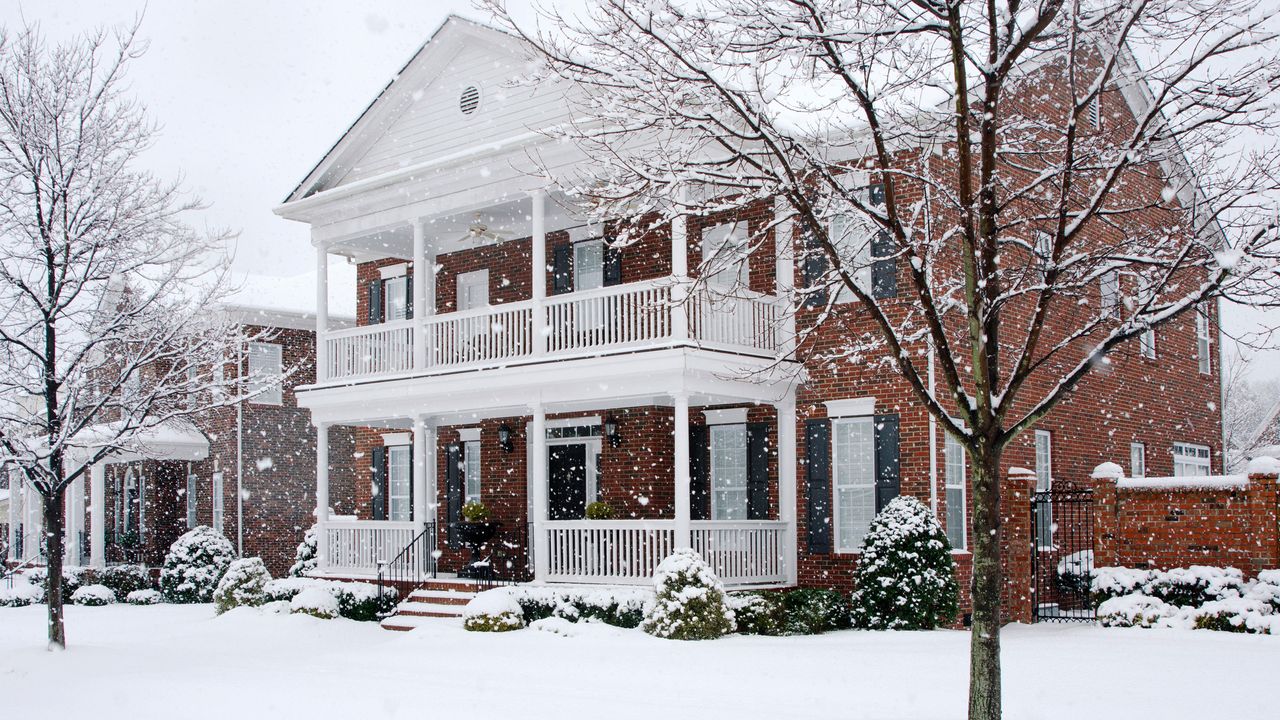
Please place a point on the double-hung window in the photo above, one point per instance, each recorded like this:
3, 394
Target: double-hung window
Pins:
192, 520
588, 264
1109, 293
1137, 460
1044, 483
1191, 460
471, 470
1203, 341
399, 482
851, 235
1147, 343
395, 298
725, 257
728, 472
953, 452
854, 466
217, 501
265, 369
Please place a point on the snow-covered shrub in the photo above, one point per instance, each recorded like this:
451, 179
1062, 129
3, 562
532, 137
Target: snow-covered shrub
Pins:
93, 595
73, 578
315, 601
759, 612
620, 607
812, 611
493, 611
1075, 573
1196, 585
194, 565
1266, 589
356, 600
689, 601
124, 579
905, 579
1136, 610
305, 558
144, 597
1114, 582
1232, 614
21, 594
244, 583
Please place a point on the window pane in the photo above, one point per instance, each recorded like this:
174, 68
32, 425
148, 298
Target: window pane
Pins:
724, 256
1137, 460
729, 472
398, 481
1044, 460
265, 368
471, 470
588, 265
395, 294
955, 477
855, 470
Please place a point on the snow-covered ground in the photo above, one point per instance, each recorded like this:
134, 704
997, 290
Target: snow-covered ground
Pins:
182, 662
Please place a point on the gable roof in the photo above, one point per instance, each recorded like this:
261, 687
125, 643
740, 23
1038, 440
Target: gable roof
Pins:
425, 62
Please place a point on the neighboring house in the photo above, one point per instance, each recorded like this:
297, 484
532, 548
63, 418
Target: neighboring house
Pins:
537, 369
1265, 439
248, 470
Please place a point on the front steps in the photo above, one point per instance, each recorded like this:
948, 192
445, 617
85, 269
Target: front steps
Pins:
440, 598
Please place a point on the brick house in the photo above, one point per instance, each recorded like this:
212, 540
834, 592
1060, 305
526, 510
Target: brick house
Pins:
538, 369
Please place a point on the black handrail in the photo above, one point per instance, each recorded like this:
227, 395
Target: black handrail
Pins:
415, 563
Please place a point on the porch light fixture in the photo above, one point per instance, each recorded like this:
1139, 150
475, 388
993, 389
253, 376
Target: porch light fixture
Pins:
611, 431
504, 437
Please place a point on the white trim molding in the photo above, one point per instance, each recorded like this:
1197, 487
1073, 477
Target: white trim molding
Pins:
851, 407
394, 271
400, 438
471, 434
729, 416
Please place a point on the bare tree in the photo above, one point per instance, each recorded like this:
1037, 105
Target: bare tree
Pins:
105, 328
1053, 178
1249, 411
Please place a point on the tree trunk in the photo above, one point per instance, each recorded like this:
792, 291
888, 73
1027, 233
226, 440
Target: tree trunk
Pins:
54, 522
984, 646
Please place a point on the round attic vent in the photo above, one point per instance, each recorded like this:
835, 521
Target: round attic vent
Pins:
469, 100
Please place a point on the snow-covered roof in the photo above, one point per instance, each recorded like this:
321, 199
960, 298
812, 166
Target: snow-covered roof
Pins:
289, 300
171, 440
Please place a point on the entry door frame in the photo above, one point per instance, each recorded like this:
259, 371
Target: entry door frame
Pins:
592, 462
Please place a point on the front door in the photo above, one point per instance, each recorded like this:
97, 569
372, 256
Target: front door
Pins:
567, 481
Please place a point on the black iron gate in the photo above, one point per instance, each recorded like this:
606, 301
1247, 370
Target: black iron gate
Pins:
1062, 555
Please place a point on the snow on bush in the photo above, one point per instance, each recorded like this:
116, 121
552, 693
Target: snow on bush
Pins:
124, 579
689, 601
1135, 610
1075, 572
759, 612
620, 607
1233, 614
93, 595
493, 611
21, 594
1193, 586
356, 600
1266, 589
73, 578
194, 565
244, 583
905, 579
1114, 582
144, 597
813, 611
315, 601
305, 557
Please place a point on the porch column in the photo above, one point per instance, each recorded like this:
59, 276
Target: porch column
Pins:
539, 270
424, 473
11, 541
422, 271
787, 482
683, 534
538, 447
322, 312
73, 524
322, 496
784, 279
98, 515
680, 271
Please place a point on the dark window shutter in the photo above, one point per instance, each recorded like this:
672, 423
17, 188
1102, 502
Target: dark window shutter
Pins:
453, 492
612, 265
888, 475
408, 294
378, 497
815, 270
375, 302
699, 483
757, 471
884, 272
817, 453
562, 270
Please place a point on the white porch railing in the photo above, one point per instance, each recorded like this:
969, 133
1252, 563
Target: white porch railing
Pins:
369, 350
749, 552
609, 317
484, 335
357, 546
736, 321
623, 552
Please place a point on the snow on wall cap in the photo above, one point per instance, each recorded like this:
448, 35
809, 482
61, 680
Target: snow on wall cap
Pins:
1107, 471
1185, 482
1021, 472
1263, 465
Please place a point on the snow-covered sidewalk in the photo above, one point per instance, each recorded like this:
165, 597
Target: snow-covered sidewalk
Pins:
182, 662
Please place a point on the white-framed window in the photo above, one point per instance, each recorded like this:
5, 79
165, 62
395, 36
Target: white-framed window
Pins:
473, 290
1109, 292
217, 502
399, 482
1044, 483
395, 298
854, 465
724, 257
851, 235
728, 472
265, 368
192, 484
1147, 343
588, 264
1203, 342
954, 458
1095, 112
1137, 459
471, 470
1191, 459
1044, 251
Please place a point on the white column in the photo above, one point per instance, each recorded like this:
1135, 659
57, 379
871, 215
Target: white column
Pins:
785, 274
322, 312
787, 481
11, 541
422, 270
322, 496
73, 524
538, 449
539, 269
424, 472
680, 271
98, 515
683, 536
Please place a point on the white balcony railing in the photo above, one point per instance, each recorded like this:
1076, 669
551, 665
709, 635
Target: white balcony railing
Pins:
358, 546
606, 319
751, 552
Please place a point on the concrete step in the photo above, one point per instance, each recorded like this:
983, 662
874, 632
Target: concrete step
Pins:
405, 623
424, 609
441, 597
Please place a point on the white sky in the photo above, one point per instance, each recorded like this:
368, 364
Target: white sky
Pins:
250, 94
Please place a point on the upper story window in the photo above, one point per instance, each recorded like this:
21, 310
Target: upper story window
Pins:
1147, 343
1190, 459
395, 299
1203, 341
473, 290
265, 369
851, 235
1109, 292
588, 264
724, 257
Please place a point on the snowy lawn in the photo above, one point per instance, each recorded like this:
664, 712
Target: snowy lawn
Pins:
171, 661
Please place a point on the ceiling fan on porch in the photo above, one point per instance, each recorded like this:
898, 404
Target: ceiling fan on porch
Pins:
479, 233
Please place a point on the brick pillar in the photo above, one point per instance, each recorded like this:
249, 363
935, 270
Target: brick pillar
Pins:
1264, 496
1105, 508
1016, 543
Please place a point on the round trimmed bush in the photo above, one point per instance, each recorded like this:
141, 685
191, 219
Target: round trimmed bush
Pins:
905, 578
1134, 610
93, 595
244, 583
690, 601
194, 565
144, 597
317, 602
493, 611
21, 594
759, 613
305, 557
124, 579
